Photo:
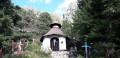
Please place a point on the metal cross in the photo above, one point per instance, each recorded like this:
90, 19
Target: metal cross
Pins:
86, 46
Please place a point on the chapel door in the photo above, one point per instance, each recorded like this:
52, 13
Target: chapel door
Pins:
54, 44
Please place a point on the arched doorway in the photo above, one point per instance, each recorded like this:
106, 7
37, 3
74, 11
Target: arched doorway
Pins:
54, 44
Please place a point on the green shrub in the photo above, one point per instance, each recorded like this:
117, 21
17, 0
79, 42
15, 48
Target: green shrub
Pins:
37, 50
25, 54
32, 51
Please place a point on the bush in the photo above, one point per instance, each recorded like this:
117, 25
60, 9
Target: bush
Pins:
37, 50
25, 54
32, 51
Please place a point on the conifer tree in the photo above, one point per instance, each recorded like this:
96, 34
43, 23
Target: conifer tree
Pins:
8, 18
44, 21
97, 21
66, 27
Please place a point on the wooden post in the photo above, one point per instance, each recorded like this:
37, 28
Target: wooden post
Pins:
33, 40
0, 51
12, 47
19, 48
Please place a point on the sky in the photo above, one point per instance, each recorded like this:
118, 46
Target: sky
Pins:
52, 6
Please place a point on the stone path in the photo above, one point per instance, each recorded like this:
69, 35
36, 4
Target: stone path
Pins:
60, 54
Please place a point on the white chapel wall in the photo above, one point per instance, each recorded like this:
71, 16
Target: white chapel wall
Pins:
46, 44
62, 43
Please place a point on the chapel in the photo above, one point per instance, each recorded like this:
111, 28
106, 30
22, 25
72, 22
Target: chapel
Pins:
54, 39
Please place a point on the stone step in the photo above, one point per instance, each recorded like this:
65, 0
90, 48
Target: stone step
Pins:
60, 54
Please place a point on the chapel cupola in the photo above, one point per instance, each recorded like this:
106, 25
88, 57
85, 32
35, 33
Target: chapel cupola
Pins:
55, 24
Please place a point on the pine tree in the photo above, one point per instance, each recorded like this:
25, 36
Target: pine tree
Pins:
97, 22
44, 21
66, 27
8, 18
82, 19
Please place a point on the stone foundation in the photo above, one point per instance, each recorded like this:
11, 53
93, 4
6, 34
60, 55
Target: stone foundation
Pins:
60, 54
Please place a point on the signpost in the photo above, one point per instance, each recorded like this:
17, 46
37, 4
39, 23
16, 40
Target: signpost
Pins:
86, 46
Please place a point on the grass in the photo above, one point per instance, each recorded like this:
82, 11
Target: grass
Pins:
33, 50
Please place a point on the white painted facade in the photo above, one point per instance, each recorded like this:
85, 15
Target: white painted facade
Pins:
62, 43
46, 44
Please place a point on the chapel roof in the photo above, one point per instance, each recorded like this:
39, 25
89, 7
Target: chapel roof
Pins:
55, 30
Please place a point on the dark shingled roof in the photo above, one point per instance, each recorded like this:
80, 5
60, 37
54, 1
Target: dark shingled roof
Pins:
55, 23
54, 30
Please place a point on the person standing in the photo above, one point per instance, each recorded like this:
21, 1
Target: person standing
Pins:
75, 51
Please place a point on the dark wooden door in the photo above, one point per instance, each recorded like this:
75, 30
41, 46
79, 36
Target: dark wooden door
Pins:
54, 44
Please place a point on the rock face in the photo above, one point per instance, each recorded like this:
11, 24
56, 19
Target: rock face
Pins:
31, 9
70, 11
60, 54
